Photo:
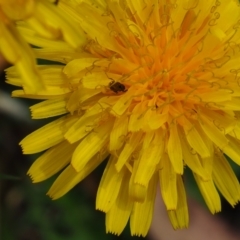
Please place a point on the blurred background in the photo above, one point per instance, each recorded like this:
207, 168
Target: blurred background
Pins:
26, 213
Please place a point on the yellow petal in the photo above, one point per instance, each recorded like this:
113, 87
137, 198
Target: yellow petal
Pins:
62, 55
192, 160
175, 149
141, 9
117, 217
47, 136
97, 29
17, 51
43, 30
142, 213
236, 131
31, 37
209, 194
109, 186
232, 150
88, 121
48, 93
213, 132
137, 192
95, 80
224, 121
49, 108
154, 119
75, 66
148, 138
149, 159
216, 96
128, 149
179, 217
208, 166
137, 117
118, 133
51, 162
78, 97
234, 104
18, 10
195, 140
60, 19
168, 183
82, 127
123, 103
69, 177
51, 75
225, 179
90, 145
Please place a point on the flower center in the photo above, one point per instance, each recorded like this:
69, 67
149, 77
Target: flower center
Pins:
163, 62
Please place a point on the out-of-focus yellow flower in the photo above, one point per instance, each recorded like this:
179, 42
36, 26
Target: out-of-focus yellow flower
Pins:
154, 84
12, 45
47, 21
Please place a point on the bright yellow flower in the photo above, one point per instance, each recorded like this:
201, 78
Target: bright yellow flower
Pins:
155, 85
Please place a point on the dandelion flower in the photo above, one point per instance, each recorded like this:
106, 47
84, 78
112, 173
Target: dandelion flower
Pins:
155, 86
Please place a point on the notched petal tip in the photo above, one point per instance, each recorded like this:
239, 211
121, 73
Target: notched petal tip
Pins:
113, 232
30, 176
50, 196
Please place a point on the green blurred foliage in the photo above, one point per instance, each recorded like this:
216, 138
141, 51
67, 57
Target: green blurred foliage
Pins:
31, 215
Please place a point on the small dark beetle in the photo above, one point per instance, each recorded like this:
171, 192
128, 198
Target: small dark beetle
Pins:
117, 87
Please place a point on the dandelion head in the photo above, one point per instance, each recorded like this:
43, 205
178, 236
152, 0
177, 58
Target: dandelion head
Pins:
152, 85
